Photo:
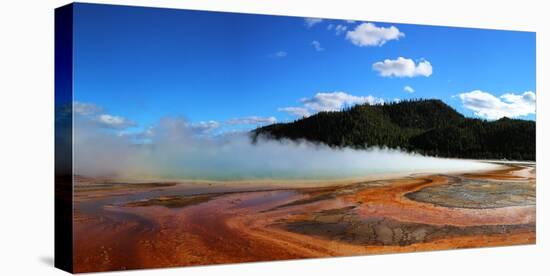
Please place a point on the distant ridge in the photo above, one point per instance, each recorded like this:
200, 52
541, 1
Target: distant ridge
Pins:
427, 126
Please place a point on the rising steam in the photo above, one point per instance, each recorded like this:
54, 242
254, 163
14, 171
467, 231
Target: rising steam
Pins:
174, 149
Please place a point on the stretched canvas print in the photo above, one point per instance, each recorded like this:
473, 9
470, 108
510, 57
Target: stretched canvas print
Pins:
195, 137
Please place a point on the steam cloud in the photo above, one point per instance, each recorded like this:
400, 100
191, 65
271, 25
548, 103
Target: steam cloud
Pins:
174, 149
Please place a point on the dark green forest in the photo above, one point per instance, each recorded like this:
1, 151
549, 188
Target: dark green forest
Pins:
429, 127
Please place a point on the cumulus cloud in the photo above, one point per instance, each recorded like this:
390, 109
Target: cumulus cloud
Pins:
310, 21
340, 29
408, 89
252, 120
296, 111
279, 54
114, 122
333, 101
204, 127
95, 114
368, 34
491, 107
199, 129
143, 135
86, 109
317, 45
403, 67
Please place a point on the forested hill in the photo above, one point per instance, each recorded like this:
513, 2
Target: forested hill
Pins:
429, 127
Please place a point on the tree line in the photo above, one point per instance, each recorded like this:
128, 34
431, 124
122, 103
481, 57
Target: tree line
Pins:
426, 126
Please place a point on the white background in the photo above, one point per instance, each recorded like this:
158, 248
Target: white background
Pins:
26, 137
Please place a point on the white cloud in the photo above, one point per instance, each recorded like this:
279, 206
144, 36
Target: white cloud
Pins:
279, 54
204, 127
91, 116
368, 34
403, 67
252, 120
114, 122
144, 134
340, 29
310, 22
317, 45
335, 101
177, 125
95, 114
296, 111
408, 89
329, 102
488, 106
86, 109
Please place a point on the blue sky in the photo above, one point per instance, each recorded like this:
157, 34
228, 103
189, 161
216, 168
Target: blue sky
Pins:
134, 66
